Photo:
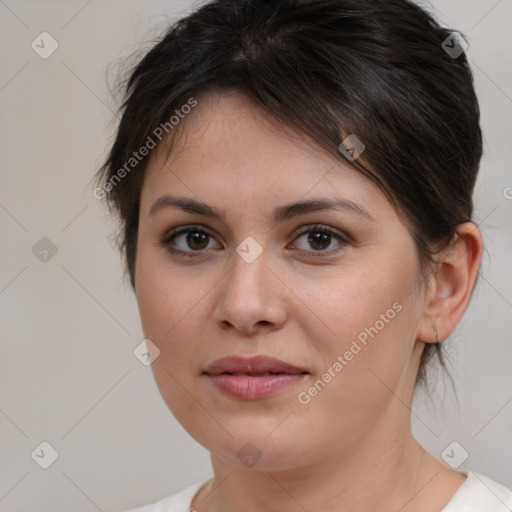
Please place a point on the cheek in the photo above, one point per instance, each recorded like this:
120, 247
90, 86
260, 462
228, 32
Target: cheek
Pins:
172, 303
353, 302
169, 307
362, 327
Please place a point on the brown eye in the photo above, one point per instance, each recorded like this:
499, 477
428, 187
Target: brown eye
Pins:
196, 240
188, 239
320, 239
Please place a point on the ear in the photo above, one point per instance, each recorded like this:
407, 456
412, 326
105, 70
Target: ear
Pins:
452, 284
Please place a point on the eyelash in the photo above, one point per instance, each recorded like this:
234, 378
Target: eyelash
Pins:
319, 228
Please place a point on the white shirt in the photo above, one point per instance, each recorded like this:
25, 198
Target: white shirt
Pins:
478, 493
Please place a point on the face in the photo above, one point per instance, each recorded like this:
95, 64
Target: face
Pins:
331, 291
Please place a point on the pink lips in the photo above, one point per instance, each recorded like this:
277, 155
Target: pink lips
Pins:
252, 378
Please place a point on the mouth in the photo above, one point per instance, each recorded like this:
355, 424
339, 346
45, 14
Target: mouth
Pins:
254, 374
258, 365
253, 378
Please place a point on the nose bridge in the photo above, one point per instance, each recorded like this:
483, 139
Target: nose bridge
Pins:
250, 293
248, 276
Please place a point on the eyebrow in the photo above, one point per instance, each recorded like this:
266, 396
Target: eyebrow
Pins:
280, 214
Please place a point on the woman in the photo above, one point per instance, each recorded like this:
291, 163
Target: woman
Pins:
294, 182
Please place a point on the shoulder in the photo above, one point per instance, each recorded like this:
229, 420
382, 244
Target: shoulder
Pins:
480, 493
179, 502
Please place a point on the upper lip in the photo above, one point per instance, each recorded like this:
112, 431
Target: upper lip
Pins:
251, 365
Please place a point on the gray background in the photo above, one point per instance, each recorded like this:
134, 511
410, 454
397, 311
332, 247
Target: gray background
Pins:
68, 375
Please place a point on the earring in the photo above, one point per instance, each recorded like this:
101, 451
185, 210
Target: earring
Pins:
435, 335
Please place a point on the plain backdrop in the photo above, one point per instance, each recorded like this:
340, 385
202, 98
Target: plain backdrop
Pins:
68, 375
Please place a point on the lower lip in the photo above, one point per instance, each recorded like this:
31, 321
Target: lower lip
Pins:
246, 387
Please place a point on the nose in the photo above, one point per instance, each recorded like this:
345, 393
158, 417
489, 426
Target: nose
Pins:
251, 297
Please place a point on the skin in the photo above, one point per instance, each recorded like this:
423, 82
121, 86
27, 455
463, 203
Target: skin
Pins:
350, 448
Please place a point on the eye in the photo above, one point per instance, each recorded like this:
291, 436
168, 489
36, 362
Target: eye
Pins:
319, 238
188, 239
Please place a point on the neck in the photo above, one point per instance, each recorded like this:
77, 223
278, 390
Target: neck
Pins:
381, 473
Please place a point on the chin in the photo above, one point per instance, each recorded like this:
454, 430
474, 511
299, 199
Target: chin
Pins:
252, 444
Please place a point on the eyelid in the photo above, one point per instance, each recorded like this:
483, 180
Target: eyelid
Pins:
169, 235
166, 240
306, 228
343, 239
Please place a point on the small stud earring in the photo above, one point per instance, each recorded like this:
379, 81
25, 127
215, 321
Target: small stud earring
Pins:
435, 335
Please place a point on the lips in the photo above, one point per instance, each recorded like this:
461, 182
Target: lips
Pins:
252, 366
253, 378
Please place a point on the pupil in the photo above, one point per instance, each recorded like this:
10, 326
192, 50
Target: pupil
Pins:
317, 237
195, 237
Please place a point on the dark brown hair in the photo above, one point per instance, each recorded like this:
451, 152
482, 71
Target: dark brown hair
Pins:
328, 68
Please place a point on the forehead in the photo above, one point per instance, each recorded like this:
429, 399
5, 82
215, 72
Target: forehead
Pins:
230, 149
